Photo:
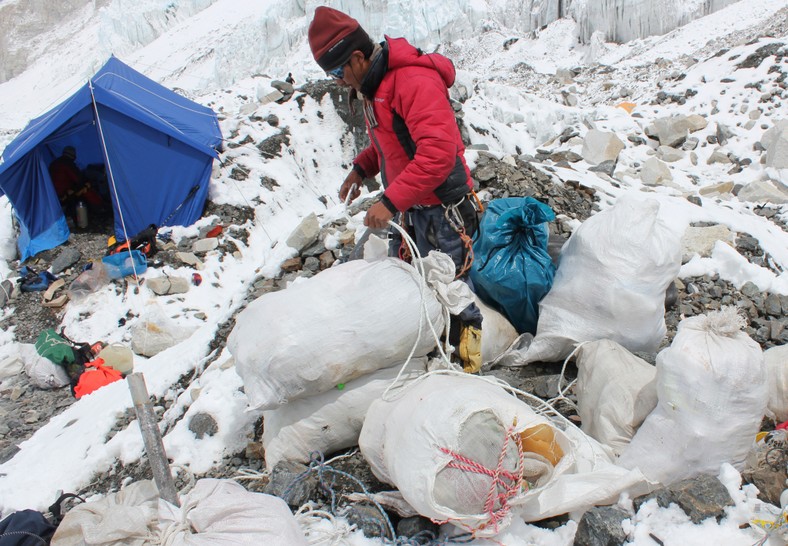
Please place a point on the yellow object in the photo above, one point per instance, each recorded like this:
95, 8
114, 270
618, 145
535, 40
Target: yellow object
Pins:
111, 241
541, 440
628, 106
118, 357
471, 349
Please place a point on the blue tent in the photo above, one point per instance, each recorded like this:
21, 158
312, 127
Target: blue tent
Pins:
157, 146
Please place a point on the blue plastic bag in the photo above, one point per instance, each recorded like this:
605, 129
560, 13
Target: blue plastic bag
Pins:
512, 270
125, 263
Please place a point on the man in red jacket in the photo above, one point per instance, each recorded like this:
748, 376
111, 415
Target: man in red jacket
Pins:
415, 146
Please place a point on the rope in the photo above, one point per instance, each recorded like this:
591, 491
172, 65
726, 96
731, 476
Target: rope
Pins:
562, 391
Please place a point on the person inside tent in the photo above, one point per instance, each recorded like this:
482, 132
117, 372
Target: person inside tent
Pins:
71, 186
416, 147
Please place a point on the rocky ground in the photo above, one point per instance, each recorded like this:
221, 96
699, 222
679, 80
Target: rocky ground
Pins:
24, 408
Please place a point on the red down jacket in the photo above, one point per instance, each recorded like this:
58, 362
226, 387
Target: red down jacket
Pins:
415, 141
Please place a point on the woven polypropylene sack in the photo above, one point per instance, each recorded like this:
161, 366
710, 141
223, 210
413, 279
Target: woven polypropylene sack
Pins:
329, 421
420, 442
777, 376
341, 324
222, 512
712, 392
610, 284
615, 392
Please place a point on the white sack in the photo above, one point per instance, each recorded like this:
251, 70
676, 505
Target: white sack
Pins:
615, 392
125, 518
222, 512
343, 323
497, 332
11, 367
43, 373
329, 421
413, 442
610, 283
777, 377
711, 386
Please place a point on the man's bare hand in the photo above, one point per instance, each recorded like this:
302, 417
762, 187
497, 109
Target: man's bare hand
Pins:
352, 179
378, 216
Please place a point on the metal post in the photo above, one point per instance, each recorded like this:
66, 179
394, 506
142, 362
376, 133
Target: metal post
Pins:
151, 436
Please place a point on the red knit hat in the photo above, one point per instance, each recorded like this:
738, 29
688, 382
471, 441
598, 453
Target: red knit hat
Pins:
334, 36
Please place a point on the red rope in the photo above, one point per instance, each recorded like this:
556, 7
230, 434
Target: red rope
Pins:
509, 482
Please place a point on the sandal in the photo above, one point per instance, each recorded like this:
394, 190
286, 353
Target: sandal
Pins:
49, 299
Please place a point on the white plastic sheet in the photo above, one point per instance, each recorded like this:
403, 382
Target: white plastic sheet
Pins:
223, 513
711, 386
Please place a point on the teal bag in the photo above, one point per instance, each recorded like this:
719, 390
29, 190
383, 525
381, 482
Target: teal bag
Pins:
125, 263
512, 270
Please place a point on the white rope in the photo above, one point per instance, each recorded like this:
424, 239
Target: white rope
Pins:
562, 391
309, 517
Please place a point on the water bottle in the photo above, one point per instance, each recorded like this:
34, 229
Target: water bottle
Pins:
82, 215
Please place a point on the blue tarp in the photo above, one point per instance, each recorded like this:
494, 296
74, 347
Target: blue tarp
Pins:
159, 146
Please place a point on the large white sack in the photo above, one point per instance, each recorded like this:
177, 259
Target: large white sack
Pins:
343, 323
125, 518
711, 386
610, 283
329, 421
223, 513
615, 392
776, 360
427, 442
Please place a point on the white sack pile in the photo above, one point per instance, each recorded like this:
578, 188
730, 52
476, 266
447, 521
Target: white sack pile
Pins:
776, 360
711, 386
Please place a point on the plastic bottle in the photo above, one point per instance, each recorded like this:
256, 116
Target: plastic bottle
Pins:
118, 357
82, 215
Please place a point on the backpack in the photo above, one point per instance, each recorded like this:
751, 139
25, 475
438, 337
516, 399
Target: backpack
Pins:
26, 528
52, 346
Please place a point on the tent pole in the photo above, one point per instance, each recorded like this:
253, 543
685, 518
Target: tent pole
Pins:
111, 176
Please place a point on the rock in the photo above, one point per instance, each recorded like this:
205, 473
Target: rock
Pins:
565, 155
602, 526
205, 245
369, 519
272, 120
723, 134
777, 150
770, 483
764, 191
716, 189
690, 144
718, 156
654, 172
203, 424
292, 264
305, 234
701, 240
285, 88
696, 122
164, 285
599, 146
701, 497
606, 167
417, 526
695, 200
669, 155
290, 482
190, 258
327, 259
671, 131
671, 296
65, 259
773, 305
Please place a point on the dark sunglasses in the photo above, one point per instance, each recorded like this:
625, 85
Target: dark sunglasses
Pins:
338, 73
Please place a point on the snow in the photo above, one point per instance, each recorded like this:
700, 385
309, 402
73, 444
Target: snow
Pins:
224, 53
